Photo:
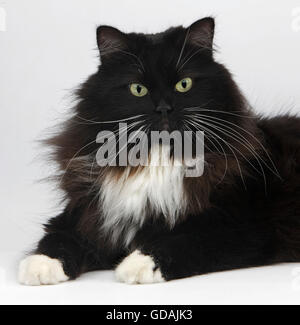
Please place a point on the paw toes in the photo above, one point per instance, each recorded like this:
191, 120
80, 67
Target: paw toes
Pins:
138, 268
41, 269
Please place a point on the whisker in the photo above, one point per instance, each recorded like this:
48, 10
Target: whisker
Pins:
72, 159
135, 56
231, 147
103, 168
112, 121
119, 130
128, 128
188, 59
225, 155
108, 48
275, 171
200, 109
227, 133
183, 47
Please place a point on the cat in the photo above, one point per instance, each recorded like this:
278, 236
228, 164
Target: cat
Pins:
152, 223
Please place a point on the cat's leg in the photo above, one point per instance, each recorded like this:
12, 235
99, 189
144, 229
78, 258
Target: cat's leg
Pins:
199, 248
40, 269
62, 254
57, 258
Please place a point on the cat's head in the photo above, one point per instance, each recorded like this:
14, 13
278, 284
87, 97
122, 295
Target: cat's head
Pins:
154, 82
159, 76
165, 81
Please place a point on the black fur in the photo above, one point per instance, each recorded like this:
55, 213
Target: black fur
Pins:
232, 221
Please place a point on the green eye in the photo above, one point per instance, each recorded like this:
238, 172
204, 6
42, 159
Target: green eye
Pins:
138, 90
184, 85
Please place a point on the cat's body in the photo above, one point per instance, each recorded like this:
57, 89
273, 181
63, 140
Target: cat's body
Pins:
155, 223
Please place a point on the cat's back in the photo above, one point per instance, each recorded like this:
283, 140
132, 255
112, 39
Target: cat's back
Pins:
281, 136
281, 130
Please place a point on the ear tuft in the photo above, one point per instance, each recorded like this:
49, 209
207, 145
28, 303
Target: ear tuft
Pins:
110, 40
201, 33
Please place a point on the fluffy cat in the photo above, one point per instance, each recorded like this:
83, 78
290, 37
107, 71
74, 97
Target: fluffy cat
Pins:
153, 224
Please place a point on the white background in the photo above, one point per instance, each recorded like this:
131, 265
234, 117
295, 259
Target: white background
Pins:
49, 47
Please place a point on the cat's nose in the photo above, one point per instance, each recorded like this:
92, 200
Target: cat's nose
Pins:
163, 107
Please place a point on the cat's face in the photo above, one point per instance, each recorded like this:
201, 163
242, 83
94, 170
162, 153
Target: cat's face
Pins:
165, 81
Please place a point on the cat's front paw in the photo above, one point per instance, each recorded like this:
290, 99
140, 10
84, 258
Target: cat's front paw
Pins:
40, 269
138, 268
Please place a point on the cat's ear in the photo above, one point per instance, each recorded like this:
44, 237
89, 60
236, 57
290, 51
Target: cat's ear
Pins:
201, 33
110, 40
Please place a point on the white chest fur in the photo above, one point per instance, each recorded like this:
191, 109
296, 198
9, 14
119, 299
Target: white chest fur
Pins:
127, 201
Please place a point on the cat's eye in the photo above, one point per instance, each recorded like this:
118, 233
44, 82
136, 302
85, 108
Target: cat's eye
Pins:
138, 90
184, 85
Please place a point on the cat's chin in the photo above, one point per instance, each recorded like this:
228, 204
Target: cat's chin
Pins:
164, 125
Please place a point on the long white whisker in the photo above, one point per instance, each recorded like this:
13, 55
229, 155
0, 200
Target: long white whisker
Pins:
75, 155
132, 125
200, 109
188, 59
224, 153
121, 131
114, 157
183, 47
230, 148
275, 171
112, 121
227, 133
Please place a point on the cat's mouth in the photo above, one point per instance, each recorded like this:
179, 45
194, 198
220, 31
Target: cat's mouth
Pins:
164, 124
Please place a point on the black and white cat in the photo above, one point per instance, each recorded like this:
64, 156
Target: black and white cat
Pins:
153, 224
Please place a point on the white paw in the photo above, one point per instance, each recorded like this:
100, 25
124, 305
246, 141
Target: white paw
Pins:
138, 268
40, 269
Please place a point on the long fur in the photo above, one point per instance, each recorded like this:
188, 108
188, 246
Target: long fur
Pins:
245, 209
